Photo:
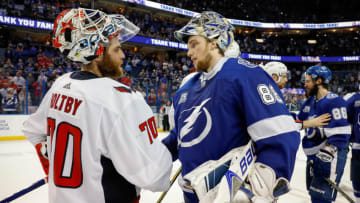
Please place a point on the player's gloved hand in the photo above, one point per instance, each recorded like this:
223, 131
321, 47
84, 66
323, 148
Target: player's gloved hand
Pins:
263, 186
41, 150
323, 159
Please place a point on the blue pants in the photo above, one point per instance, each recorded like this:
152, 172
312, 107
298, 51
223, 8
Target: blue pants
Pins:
354, 172
319, 189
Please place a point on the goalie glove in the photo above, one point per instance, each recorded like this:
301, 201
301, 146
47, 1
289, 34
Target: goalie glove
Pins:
263, 185
41, 150
323, 159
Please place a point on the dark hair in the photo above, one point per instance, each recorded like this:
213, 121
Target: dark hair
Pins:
325, 85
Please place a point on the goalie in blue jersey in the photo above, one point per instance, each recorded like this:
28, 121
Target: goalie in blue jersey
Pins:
219, 112
325, 147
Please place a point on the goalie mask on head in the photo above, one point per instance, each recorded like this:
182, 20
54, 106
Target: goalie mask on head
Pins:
319, 71
211, 25
276, 68
81, 34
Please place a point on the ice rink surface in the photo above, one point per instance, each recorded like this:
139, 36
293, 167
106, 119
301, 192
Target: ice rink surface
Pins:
20, 168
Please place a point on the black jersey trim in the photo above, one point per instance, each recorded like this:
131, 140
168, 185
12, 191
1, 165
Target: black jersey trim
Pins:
83, 75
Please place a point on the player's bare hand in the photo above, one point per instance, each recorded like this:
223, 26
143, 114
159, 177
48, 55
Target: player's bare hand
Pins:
321, 120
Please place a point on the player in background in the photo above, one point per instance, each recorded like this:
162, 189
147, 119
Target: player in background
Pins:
280, 74
96, 137
353, 109
229, 103
325, 147
278, 71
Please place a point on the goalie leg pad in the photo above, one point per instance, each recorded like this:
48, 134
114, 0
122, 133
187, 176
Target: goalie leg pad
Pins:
224, 175
264, 185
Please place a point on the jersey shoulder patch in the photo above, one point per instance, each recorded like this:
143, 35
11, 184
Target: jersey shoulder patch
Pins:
123, 89
331, 96
246, 63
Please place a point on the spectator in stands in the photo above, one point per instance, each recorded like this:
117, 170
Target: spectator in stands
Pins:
152, 97
8, 67
19, 80
38, 85
29, 68
3, 80
4, 90
12, 85
8, 76
164, 82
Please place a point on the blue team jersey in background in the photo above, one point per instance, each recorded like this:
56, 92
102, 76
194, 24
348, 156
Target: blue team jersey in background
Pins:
337, 132
225, 108
353, 106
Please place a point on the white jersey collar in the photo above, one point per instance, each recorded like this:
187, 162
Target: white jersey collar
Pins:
207, 76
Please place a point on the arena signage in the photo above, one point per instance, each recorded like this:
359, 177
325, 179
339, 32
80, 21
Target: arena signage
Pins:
23, 22
246, 23
309, 59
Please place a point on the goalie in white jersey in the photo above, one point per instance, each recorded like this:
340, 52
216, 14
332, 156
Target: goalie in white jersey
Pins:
101, 136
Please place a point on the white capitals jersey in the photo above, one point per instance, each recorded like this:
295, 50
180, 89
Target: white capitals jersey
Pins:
102, 141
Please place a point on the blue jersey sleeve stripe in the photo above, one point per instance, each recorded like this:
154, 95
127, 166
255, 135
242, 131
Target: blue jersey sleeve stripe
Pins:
348, 96
270, 127
314, 150
356, 146
337, 130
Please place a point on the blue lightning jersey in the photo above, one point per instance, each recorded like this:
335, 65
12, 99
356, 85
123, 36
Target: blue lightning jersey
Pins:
337, 132
353, 107
221, 110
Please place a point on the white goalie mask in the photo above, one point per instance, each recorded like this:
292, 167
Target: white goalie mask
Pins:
276, 68
81, 34
211, 25
233, 50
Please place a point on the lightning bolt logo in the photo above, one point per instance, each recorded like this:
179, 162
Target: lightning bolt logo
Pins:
190, 122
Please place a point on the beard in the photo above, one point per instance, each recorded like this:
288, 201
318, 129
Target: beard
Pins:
312, 92
110, 68
281, 85
203, 65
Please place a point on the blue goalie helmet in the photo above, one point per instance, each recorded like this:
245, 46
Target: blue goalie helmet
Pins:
210, 25
319, 71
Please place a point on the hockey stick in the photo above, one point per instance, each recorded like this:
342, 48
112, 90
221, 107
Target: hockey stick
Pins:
171, 183
333, 185
24, 191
